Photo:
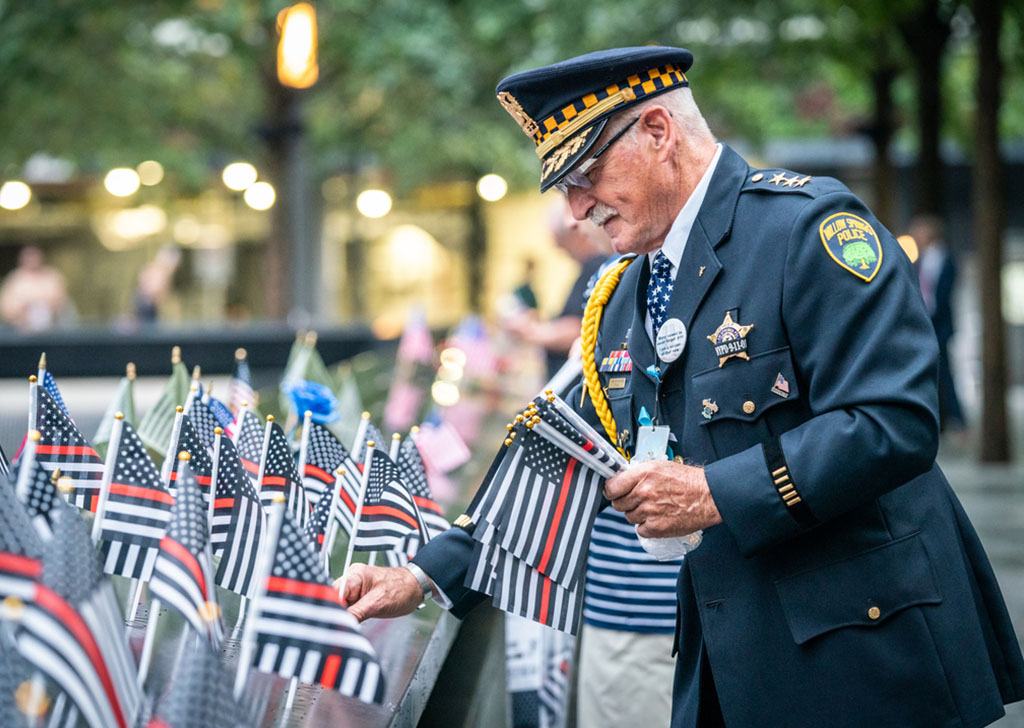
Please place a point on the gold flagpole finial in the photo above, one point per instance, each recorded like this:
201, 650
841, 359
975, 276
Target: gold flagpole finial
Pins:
184, 455
218, 431
119, 415
42, 360
310, 338
129, 370
55, 476
240, 354
366, 415
35, 436
307, 413
342, 471
32, 378
176, 355
270, 418
414, 429
395, 436
65, 484
370, 444
196, 372
179, 408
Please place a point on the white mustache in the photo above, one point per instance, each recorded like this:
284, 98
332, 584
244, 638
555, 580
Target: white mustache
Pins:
601, 214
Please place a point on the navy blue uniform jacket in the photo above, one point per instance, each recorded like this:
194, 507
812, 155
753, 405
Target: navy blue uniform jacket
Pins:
845, 586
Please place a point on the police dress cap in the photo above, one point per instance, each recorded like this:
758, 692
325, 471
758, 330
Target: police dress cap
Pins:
564, 107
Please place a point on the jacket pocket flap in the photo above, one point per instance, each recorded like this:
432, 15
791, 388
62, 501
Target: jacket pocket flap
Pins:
861, 591
744, 390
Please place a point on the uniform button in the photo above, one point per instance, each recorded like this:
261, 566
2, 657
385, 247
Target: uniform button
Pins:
749, 407
757, 177
874, 613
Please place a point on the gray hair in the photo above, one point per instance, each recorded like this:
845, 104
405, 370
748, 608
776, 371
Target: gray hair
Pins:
680, 104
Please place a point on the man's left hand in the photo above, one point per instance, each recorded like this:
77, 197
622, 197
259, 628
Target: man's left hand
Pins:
663, 498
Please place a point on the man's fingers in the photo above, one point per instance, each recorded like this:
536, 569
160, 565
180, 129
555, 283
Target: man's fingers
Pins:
620, 484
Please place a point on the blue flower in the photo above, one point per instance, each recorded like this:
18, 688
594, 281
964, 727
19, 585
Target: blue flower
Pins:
316, 398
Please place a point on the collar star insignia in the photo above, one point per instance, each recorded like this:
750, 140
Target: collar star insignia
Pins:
777, 178
790, 181
730, 339
802, 182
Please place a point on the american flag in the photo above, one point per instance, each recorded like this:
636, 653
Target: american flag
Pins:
414, 475
183, 573
317, 527
5, 464
13, 672
441, 447
123, 402
137, 510
554, 686
220, 411
63, 446
200, 465
50, 385
519, 589
239, 523
38, 492
203, 419
324, 455
303, 631
20, 546
554, 500
372, 433
71, 629
389, 513
158, 423
200, 694
281, 475
241, 383
250, 443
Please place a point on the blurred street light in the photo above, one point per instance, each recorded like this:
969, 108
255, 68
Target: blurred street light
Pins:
14, 195
492, 187
122, 182
374, 203
239, 176
260, 196
296, 51
150, 172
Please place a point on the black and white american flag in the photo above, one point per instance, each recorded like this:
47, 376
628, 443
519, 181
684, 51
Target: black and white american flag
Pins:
389, 513
324, 455
281, 475
414, 475
239, 523
63, 446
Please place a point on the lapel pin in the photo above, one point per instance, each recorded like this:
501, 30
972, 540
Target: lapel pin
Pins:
781, 386
730, 340
710, 407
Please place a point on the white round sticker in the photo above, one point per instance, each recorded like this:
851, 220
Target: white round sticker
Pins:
671, 340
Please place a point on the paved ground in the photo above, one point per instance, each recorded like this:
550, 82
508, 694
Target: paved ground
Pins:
994, 499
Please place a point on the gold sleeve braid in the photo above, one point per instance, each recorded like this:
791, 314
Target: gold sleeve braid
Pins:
588, 335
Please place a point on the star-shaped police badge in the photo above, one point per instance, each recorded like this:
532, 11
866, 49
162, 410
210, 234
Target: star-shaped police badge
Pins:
730, 340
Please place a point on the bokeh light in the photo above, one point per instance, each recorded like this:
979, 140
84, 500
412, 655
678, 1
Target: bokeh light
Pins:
260, 196
492, 187
444, 393
150, 172
14, 195
122, 182
374, 203
239, 176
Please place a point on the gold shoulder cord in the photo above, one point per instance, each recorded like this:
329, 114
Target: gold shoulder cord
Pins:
588, 334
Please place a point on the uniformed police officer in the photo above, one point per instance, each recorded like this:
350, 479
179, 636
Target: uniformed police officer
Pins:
780, 346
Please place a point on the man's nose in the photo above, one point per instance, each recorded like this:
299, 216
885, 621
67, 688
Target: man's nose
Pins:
580, 202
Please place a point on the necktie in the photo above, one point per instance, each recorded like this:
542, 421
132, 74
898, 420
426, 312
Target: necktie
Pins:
659, 291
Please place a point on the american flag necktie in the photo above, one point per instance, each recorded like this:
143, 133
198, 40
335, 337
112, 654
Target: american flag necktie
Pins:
659, 291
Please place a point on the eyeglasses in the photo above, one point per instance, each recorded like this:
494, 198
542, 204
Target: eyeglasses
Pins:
578, 177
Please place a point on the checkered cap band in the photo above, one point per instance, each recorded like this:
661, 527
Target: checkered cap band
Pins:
644, 84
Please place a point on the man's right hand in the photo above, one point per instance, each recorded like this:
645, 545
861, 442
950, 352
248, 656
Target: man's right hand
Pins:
378, 591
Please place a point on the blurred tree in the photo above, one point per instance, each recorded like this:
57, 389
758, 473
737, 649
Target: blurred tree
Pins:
989, 224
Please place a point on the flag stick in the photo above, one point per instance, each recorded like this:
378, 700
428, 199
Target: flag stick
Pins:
359, 513
28, 461
215, 476
136, 600
243, 605
396, 443
263, 455
35, 705
108, 476
263, 570
239, 418
147, 644
293, 687
325, 548
33, 402
172, 455
304, 445
364, 423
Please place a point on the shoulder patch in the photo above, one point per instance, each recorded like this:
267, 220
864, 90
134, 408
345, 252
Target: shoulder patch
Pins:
852, 243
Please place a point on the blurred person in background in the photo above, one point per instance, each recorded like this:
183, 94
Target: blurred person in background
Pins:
524, 293
34, 296
936, 273
154, 283
589, 247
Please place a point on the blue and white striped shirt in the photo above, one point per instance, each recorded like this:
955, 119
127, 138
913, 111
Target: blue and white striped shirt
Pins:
626, 588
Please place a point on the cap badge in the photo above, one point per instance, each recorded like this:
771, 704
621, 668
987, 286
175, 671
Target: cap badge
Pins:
513, 107
556, 160
730, 340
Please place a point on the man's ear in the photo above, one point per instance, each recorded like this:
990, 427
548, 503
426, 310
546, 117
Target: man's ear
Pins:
657, 125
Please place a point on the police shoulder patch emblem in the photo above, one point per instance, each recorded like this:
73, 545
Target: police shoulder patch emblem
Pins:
852, 243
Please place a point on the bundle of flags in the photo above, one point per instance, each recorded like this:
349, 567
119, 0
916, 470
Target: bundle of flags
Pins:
534, 513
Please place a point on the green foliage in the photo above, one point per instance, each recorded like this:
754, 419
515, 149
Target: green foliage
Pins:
407, 86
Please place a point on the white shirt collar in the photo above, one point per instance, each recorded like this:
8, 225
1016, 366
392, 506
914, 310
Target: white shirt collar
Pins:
675, 241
